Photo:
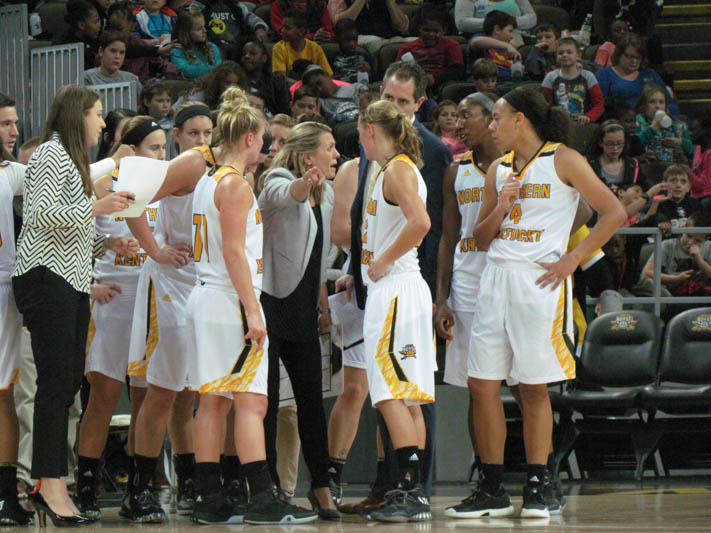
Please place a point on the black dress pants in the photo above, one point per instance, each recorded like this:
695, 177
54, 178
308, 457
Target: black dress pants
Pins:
302, 361
57, 317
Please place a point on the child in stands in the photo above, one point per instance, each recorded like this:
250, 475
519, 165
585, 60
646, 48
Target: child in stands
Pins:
197, 55
496, 44
83, 26
678, 205
572, 87
701, 167
439, 56
156, 102
349, 61
541, 59
154, 22
609, 157
112, 51
669, 142
484, 74
305, 102
294, 45
445, 127
618, 30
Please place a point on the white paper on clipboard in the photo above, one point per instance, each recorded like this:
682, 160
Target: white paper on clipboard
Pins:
142, 177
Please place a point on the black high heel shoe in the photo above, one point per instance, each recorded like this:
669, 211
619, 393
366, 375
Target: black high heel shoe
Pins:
43, 511
323, 513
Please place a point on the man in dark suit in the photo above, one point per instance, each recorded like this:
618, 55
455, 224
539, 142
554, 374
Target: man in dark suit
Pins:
404, 84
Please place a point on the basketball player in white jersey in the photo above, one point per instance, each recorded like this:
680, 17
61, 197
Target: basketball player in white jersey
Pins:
228, 362
112, 316
397, 329
460, 263
523, 328
163, 290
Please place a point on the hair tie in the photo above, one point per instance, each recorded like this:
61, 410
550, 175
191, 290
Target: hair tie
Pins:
140, 132
189, 112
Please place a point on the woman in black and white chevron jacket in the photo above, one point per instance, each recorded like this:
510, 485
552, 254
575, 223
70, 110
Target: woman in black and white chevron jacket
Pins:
52, 277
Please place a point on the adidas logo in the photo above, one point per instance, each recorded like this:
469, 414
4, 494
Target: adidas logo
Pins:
413, 457
331, 470
534, 479
88, 474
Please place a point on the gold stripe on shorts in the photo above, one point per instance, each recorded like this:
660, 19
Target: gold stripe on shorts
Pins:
400, 386
561, 339
140, 368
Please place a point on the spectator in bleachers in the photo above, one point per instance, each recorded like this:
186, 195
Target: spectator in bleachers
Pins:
617, 32
255, 99
156, 102
112, 51
626, 78
144, 60
210, 87
294, 45
572, 87
102, 7
469, 19
445, 127
439, 56
609, 158
336, 103
229, 22
154, 22
197, 56
379, 22
111, 134
349, 61
685, 262
305, 102
84, 26
484, 74
495, 44
541, 59
318, 25
257, 65
670, 143
617, 109
8, 123
701, 163
635, 200
675, 209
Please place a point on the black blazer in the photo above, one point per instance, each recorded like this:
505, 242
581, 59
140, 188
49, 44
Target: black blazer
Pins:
437, 158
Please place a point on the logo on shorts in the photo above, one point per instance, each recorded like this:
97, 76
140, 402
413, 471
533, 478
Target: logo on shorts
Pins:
623, 321
701, 323
408, 351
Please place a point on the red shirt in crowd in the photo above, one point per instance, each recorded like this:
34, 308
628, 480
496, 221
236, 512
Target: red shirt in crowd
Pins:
437, 59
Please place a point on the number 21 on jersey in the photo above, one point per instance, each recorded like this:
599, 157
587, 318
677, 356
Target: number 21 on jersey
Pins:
200, 223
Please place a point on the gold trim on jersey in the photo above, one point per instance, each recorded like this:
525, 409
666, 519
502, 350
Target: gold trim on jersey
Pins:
217, 173
207, 154
91, 333
400, 386
139, 368
561, 339
547, 148
245, 368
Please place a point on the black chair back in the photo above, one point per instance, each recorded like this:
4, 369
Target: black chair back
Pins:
621, 349
686, 355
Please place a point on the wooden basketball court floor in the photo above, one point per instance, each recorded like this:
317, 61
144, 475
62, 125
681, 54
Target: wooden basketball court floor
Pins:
602, 507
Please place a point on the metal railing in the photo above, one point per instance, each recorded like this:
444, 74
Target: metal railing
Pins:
52, 68
657, 299
14, 63
115, 95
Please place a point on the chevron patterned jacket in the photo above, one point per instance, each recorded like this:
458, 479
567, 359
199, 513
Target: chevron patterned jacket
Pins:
58, 231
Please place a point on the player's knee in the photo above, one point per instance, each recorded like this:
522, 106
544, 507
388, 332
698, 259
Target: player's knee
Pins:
355, 392
483, 389
532, 396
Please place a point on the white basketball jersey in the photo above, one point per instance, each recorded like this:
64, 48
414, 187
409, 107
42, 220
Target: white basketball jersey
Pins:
175, 224
384, 222
207, 234
468, 262
537, 227
12, 176
119, 269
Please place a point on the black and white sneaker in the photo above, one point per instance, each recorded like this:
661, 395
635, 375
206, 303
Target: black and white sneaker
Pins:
482, 503
217, 508
336, 491
85, 500
534, 501
142, 508
271, 507
237, 491
403, 506
13, 514
185, 497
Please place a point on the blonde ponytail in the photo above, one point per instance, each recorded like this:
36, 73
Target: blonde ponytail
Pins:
395, 125
237, 117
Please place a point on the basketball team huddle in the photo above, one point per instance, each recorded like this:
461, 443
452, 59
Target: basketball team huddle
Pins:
503, 300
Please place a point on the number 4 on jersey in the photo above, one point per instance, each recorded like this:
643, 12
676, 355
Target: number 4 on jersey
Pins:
515, 214
200, 223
